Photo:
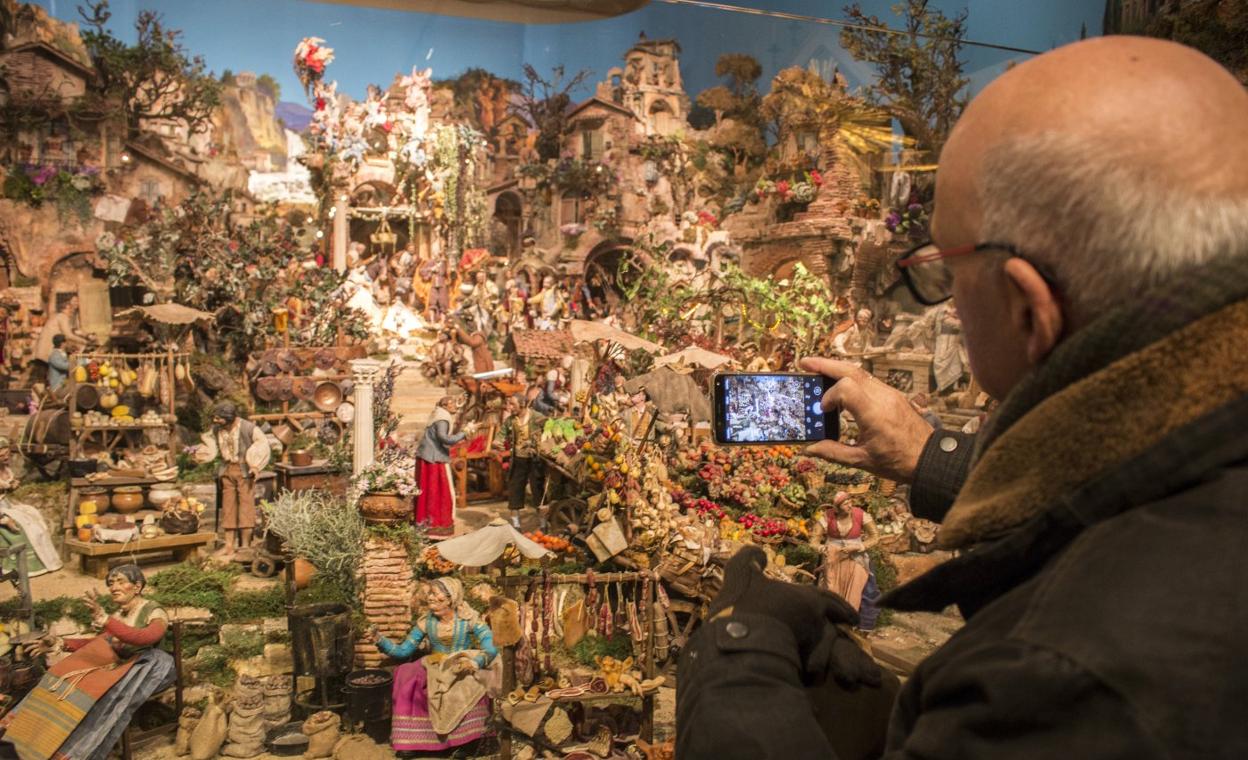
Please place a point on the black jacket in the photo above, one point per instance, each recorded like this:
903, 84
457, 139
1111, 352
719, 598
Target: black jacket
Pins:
1107, 623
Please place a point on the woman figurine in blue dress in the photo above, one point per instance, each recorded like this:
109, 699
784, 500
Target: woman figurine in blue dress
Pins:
438, 701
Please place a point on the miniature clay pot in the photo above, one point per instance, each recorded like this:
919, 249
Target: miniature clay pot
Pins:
128, 499
301, 457
384, 508
304, 570
161, 493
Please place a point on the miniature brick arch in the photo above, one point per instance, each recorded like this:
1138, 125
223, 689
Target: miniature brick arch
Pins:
509, 212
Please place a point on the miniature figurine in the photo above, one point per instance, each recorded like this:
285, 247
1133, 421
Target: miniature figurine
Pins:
549, 304
438, 703
85, 701
521, 430
848, 532
468, 335
63, 322
858, 339
58, 363
434, 272
244, 453
435, 506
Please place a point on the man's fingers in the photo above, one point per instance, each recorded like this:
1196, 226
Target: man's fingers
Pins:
833, 368
835, 451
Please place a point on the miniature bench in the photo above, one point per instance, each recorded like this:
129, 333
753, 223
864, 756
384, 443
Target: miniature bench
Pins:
95, 556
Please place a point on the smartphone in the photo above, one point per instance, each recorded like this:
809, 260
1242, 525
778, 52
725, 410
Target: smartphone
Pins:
772, 407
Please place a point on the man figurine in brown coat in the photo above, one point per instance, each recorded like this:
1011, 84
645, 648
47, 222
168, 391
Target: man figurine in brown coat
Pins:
243, 452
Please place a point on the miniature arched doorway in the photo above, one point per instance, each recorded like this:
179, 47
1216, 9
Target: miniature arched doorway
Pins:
662, 117
375, 194
508, 215
615, 266
784, 270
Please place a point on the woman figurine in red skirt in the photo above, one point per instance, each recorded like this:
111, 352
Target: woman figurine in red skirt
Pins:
435, 506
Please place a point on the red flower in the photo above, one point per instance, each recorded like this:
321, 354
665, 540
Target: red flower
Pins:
320, 104
816, 178
233, 246
387, 126
782, 188
320, 259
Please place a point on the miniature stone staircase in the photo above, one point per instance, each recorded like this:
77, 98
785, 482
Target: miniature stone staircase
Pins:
414, 399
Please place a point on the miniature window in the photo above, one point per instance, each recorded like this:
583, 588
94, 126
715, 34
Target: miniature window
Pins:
591, 143
571, 209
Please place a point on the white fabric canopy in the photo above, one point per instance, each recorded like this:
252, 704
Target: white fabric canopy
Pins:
36, 532
484, 545
693, 356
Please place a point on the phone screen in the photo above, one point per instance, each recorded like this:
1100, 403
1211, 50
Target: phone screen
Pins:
772, 408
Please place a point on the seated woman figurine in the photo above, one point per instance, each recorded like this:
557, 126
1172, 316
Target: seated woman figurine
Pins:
85, 701
438, 703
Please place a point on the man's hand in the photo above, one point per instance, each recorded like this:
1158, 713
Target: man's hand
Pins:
811, 613
891, 433
465, 666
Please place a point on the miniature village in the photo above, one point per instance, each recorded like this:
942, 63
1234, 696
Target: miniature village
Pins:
393, 434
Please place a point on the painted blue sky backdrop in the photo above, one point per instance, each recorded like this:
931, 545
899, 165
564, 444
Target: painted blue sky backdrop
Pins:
371, 45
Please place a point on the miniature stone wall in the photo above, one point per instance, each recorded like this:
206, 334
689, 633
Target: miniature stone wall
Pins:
387, 583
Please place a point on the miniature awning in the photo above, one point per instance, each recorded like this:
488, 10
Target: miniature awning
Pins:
673, 393
170, 314
584, 331
693, 356
484, 545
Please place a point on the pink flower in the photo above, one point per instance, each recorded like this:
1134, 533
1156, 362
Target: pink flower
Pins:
816, 178
233, 246
782, 188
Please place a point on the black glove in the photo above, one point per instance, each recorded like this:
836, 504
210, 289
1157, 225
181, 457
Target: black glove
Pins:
810, 613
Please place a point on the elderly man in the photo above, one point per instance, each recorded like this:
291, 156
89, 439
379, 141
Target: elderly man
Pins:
243, 452
1091, 224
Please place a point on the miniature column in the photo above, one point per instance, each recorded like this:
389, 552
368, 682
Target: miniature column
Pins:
342, 221
363, 374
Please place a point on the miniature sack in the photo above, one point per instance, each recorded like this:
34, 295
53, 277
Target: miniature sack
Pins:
246, 732
276, 701
322, 732
209, 735
186, 724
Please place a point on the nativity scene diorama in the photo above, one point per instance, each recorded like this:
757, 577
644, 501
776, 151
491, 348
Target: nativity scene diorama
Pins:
417, 398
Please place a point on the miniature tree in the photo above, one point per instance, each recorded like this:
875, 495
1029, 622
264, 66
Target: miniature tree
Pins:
152, 79
544, 103
920, 80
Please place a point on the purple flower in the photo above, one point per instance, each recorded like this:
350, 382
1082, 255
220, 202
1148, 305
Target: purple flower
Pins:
893, 218
915, 208
41, 177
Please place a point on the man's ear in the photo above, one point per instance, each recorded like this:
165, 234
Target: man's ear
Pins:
1034, 309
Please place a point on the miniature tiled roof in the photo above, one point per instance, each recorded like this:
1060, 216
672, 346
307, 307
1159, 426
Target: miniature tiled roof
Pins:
542, 344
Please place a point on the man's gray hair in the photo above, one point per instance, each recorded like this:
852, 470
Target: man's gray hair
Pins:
1107, 225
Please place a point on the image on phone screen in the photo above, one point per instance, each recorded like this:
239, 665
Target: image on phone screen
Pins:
771, 408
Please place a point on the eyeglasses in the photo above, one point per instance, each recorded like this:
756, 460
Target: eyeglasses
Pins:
925, 269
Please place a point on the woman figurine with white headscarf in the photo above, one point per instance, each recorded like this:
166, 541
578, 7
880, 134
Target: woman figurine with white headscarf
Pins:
438, 701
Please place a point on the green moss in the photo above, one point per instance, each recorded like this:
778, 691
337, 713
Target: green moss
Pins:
589, 648
45, 492
192, 586
322, 590
48, 611
247, 606
804, 556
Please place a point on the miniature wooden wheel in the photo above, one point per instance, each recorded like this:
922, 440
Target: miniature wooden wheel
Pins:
567, 516
263, 567
683, 618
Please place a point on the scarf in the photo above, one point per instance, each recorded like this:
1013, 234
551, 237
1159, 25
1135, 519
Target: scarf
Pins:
1105, 395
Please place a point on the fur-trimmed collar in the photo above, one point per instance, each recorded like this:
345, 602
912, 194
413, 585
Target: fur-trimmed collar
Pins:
441, 415
1097, 422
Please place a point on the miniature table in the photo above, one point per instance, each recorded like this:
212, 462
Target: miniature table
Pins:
95, 555
319, 476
